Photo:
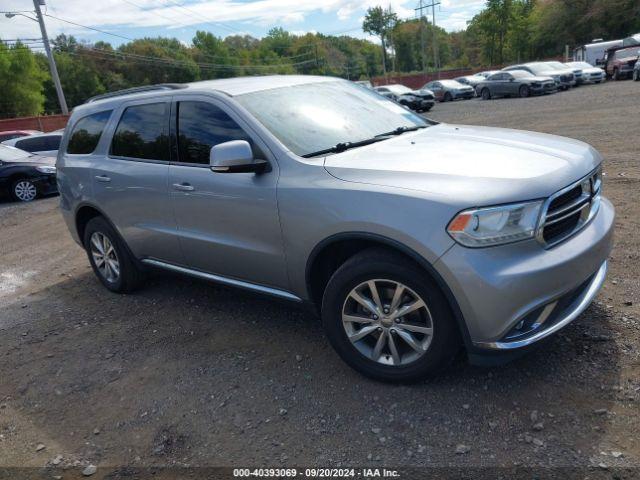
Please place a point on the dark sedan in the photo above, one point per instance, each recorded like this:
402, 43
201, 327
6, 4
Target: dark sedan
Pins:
24, 175
515, 83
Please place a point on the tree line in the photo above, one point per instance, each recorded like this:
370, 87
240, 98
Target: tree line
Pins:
504, 31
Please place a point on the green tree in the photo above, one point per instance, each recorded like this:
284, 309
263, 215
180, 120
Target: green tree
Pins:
379, 21
21, 81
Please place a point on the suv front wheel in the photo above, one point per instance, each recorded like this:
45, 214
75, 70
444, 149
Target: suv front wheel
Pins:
109, 257
387, 319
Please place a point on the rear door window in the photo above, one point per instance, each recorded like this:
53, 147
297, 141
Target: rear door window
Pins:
86, 133
142, 133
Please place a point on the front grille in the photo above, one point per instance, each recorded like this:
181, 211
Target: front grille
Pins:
566, 78
568, 210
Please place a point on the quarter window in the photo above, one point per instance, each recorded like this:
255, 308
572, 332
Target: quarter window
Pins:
86, 133
142, 133
201, 126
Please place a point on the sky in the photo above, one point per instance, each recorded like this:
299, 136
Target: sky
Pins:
181, 18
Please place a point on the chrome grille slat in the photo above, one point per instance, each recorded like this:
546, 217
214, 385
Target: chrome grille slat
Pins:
567, 211
575, 205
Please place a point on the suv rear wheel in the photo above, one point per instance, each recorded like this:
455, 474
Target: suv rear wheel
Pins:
387, 319
110, 259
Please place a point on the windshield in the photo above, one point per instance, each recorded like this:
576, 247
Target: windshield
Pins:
579, 65
451, 83
520, 74
557, 65
313, 117
12, 154
398, 89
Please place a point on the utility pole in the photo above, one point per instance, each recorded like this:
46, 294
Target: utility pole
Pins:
420, 9
422, 47
52, 62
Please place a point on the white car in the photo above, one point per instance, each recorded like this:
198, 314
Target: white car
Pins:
45, 144
588, 73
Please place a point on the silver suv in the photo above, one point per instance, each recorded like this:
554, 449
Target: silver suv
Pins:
409, 237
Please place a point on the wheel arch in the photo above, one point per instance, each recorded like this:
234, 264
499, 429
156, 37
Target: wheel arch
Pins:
320, 266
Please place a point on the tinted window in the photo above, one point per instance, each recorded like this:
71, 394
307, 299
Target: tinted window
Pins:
142, 133
203, 125
86, 133
33, 144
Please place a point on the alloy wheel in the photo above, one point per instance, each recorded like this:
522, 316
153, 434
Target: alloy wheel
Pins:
25, 191
387, 322
105, 257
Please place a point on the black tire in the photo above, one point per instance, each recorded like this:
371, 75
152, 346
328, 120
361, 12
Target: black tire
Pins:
377, 263
486, 94
524, 91
129, 277
24, 190
636, 75
448, 97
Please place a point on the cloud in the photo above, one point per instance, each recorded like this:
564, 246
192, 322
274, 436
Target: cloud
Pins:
223, 17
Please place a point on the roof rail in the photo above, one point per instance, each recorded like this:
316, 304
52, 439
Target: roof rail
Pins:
145, 88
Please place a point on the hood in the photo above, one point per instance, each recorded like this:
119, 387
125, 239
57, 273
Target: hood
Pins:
34, 160
422, 91
539, 79
469, 166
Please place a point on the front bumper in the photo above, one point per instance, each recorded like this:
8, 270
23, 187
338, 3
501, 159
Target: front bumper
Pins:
46, 184
497, 288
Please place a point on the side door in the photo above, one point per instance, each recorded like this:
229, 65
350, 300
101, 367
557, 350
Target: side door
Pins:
438, 91
510, 85
228, 223
130, 181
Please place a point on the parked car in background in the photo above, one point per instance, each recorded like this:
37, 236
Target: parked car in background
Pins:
45, 144
406, 236
564, 69
365, 83
515, 83
24, 175
472, 80
9, 134
449, 90
486, 73
588, 73
620, 62
418, 100
564, 79
636, 71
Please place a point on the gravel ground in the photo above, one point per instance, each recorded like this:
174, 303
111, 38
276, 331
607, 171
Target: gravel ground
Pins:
185, 373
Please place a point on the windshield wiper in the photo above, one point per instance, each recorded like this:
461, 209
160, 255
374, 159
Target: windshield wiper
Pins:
401, 130
343, 146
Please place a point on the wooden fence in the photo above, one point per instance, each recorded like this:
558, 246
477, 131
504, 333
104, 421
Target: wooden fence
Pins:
45, 123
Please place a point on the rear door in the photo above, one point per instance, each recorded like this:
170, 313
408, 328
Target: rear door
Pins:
130, 182
227, 222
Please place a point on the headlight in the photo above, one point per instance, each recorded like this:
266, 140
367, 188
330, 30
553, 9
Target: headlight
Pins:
46, 169
485, 227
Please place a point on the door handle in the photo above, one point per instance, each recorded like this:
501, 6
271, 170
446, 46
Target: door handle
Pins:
103, 178
183, 187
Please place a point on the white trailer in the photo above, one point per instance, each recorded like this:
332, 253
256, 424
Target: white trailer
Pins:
593, 53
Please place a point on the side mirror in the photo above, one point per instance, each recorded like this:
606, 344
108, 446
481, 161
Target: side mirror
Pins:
512, 79
235, 157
